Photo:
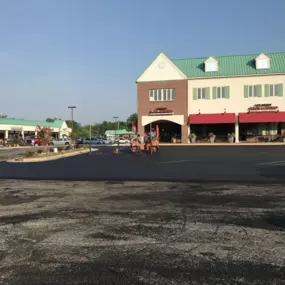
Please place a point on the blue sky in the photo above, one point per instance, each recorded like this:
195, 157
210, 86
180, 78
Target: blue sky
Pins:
88, 53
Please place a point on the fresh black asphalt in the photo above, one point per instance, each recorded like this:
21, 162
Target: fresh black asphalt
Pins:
182, 163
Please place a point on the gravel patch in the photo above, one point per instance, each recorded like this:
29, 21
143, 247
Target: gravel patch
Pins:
141, 233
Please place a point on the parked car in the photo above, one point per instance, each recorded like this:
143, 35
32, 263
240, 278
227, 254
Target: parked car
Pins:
105, 141
60, 142
33, 140
124, 141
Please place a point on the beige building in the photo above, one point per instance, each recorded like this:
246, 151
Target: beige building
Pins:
240, 94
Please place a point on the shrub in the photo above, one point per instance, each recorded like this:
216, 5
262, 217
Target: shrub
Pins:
60, 149
30, 154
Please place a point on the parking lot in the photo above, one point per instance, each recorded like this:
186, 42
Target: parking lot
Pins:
58, 233
199, 163
220, 221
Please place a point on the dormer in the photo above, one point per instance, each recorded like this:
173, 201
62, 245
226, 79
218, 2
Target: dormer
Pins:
211, 64
262, 62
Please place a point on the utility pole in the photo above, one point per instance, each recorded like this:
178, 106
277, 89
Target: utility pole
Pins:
72, 122
116, 118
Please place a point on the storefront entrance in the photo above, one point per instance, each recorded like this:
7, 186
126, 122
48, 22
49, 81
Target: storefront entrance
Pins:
260, 129
220, 130
168, 131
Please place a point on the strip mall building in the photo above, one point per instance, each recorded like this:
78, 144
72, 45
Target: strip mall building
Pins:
225, 94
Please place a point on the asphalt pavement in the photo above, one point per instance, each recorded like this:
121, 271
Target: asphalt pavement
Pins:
199, 163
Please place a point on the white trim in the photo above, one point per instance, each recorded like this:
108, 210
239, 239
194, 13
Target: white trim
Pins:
162, 57
260, 58
178, 119
231, 76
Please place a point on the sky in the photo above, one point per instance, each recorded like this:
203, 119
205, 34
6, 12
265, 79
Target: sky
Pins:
88, 53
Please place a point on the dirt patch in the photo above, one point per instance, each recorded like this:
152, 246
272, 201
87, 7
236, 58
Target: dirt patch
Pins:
15, 200
192, 199
154, 268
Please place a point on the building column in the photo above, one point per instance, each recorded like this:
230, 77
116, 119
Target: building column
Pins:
6, 134
141, 130
23, 134
184, 133
189, 132
237, 129
36, 133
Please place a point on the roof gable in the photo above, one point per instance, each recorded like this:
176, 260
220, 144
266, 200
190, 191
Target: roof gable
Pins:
262, 61
262, 56
211, 59
236, 65
161, 69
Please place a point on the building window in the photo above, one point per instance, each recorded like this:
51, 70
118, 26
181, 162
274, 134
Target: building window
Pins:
252, 91
211, 66
272, 90
263, 63
221, 92
201, 93
162, 95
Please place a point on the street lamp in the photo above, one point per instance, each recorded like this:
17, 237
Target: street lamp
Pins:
90, 135
72, 126
116, 118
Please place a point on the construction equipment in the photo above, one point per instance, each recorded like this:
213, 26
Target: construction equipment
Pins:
151, 146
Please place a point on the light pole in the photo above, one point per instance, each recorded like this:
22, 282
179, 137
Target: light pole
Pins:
90, 135
116, 118
72, 124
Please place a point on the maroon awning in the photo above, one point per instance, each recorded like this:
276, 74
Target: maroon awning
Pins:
222, 118
262, 117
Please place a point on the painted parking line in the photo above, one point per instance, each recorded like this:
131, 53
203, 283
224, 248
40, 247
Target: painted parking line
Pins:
176, 161
279, 162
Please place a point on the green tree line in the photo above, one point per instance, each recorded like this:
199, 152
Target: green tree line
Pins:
83, 131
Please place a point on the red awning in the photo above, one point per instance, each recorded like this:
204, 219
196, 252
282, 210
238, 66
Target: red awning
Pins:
262, 117
222, 118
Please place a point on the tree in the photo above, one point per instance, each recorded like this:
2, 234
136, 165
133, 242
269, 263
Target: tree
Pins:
44, 134
51, 120
99, 129
131, 120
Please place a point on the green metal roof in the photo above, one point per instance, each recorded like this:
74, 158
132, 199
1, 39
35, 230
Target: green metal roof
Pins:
118, 132
234, 65
18, 122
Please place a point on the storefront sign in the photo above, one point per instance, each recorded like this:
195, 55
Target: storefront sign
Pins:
157, 112
263, 108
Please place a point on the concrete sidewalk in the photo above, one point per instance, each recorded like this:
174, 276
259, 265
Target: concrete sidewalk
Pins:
223, 144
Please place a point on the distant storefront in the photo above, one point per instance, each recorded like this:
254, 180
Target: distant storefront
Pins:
24, 128
112, 134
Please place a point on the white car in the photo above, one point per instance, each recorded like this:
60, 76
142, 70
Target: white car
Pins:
60, 142
124, 141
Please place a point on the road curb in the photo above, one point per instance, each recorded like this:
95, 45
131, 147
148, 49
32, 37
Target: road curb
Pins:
222, 144
54, 157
